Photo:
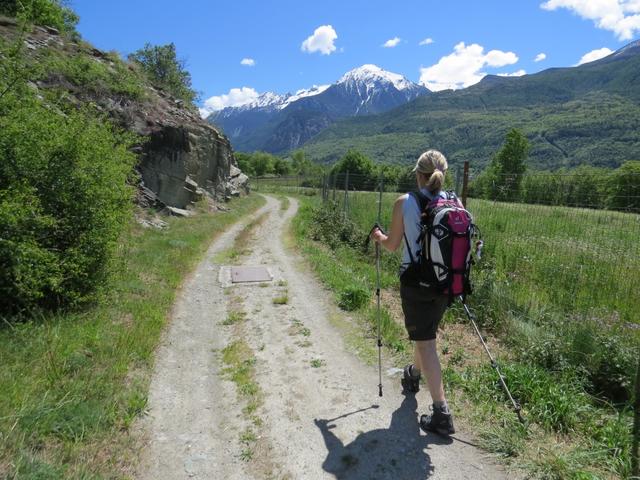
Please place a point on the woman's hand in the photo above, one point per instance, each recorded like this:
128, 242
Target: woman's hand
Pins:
377, 236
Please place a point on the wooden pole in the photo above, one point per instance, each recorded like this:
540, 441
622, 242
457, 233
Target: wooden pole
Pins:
465, 183
346, 194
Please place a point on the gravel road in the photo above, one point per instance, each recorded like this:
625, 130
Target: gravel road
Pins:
320, 416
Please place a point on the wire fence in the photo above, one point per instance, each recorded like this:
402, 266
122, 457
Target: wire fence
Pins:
580, 260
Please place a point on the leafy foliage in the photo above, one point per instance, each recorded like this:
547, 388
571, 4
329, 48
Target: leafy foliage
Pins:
584, 186
333, 228
95, 77
624, 193
163, 68
53, 13
503, 178
64, 198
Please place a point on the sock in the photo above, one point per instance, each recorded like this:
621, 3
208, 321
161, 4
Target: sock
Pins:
442, 406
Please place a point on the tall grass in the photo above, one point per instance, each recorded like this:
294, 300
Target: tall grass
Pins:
71, 385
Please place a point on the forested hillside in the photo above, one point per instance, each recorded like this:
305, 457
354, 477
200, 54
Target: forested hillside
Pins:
573, 116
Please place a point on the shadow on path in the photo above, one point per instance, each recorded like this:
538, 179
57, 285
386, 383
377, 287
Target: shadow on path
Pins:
398, 452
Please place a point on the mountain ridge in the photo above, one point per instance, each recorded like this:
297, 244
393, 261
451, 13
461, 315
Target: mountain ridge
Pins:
277, 123
588, 114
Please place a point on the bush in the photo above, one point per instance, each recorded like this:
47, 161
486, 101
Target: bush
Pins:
64, 201
52, 13
161, 65
333, 228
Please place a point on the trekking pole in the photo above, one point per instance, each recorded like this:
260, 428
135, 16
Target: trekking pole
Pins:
494, 364
378, 295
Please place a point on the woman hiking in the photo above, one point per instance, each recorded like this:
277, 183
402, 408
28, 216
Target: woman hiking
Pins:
423, 308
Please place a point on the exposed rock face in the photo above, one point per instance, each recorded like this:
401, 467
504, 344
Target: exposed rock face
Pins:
182, 157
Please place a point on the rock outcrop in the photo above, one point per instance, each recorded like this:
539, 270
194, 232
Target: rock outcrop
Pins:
182, 157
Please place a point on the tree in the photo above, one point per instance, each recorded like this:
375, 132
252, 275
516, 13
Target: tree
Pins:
300, 163
262, 163
161, 65
53, 13
625, 187
355, 163
244, 163
281, 166
503, 178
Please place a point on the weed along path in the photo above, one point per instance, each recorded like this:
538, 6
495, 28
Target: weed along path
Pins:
253, 380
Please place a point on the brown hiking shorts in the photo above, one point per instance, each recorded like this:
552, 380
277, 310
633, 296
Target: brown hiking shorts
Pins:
423, 309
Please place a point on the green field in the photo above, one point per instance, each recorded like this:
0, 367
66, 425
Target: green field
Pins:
573, 261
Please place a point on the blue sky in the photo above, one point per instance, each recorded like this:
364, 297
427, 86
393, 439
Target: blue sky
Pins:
468, 38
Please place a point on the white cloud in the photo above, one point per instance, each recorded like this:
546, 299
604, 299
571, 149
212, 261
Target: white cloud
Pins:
594, 55
540, 57
248, 62
392, 42
517, 73
235, 98
426, 41
462, 68
321, 41
621, 17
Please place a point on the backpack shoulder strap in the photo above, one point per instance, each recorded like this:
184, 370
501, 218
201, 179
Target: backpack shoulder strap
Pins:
422, 200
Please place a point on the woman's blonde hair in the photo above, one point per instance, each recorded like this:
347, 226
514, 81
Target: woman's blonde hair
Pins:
432, 164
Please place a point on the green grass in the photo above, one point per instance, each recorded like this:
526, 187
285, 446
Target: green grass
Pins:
239, 247
233, 317
281, 299
317, 363
560, 350
240, 369
71, 385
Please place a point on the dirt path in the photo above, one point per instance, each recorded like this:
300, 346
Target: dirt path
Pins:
197, 424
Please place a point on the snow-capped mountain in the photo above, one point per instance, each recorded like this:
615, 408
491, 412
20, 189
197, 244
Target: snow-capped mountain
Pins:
371, 84
277, 123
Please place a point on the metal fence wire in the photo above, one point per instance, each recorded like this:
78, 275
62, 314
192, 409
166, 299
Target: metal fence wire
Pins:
552, 242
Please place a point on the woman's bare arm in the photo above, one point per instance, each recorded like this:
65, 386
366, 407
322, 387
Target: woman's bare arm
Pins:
393, 240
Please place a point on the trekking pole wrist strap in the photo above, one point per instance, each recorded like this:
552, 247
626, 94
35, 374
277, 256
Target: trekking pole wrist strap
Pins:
379, 227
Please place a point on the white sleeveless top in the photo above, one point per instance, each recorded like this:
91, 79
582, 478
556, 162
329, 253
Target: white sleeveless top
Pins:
411, 219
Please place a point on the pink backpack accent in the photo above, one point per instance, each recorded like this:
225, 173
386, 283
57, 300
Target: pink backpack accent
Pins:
446, 241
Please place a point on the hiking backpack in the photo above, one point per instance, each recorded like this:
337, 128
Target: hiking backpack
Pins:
446, 232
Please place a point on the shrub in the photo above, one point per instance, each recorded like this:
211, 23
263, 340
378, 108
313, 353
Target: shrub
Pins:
161, 65
52, 13
64, 200
331, 227
95, 76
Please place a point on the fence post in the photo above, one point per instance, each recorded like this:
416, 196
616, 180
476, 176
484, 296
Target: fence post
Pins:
335, 179
465, 183
635, 467
458, 179
346, 194
323, 185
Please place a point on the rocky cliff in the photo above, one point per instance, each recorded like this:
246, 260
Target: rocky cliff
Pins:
181, 156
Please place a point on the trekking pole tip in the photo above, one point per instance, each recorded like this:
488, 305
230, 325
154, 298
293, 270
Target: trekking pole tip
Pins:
380, 390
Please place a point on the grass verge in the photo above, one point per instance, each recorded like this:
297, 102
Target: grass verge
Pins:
71, 385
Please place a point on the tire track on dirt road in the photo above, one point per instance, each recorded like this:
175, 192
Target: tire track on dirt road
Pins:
306, 376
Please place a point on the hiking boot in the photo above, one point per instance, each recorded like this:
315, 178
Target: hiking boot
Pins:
440, 421
410, 382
